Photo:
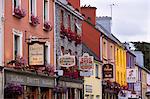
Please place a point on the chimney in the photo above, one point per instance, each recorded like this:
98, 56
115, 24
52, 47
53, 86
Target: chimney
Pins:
75, 4
89, 13
105, 22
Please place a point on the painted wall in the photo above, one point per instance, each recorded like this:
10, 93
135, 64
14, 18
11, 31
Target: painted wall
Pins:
120, 60
96, 84
23, 25
144, 84
91, 37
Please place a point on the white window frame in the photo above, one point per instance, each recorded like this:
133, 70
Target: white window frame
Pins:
96, 70
13, 3
48, 55
35, 12
20, 34
47, 19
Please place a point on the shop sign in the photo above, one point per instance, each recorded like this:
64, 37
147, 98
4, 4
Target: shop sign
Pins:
36, 54
86, 73
107, 71
86, 62
66, 60
131, 75
88, 88
29, 79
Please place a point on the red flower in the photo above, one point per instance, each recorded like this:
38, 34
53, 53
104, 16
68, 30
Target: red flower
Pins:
63, 31
19, 13
34, 20
78, 39
47, 26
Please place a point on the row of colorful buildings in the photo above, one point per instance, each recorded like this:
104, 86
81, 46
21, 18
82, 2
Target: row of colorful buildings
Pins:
44, 44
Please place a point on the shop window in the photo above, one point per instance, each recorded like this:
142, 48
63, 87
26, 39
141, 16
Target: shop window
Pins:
47, 53
46, 10
32, 7
97, 97
17, 42
96, 71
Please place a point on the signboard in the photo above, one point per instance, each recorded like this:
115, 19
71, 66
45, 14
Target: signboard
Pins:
86, 73
88, 88
86, 62
131, 75
66, 60
36, 54
107, 71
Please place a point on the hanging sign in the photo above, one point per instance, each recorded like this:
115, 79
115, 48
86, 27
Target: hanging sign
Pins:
36, 54
131, 75
86, 73
86, 62
107, 71
66, 60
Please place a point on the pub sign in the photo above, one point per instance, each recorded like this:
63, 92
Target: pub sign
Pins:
107, 71
36, 54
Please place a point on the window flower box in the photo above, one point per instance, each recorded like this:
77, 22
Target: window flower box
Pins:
71, 35
63, 31
19, 13
34, 20
47, 26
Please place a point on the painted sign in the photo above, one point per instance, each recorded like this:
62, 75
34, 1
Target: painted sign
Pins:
86, 73
88, 88
36, 54
107, 71
131, 75
66, 60
86, 62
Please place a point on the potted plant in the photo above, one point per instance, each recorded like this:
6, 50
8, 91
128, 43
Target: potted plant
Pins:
19, 13
47, 26
34, 20
49, 69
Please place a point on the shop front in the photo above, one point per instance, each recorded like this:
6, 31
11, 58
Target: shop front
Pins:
27, 85
69, 88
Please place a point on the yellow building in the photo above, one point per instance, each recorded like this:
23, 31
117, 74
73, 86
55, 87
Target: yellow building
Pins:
92, 84
120, 62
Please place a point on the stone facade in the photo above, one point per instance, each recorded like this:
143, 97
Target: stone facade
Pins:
64, 42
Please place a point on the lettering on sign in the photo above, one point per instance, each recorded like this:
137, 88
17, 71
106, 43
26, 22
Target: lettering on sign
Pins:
131, 75
107, 71
86, 62
66, 60
36, 54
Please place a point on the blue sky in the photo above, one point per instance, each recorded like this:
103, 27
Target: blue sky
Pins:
130, 18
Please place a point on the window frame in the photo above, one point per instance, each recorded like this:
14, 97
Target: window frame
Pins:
47, 44
20, 35
13, 5
48, 3
30, 12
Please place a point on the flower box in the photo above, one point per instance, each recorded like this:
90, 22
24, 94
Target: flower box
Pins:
19, 13
34, 20
47, 26
63, 31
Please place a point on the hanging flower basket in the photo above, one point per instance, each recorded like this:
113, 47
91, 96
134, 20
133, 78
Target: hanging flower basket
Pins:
12, 89
63, 31
47, 26
19, 13
34, 20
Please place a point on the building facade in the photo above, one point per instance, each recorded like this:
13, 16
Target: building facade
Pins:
28, 48
68, 23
